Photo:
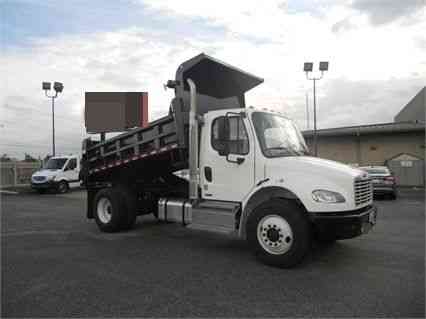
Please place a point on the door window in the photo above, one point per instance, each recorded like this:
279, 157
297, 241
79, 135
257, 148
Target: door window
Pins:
72, 164
236, 139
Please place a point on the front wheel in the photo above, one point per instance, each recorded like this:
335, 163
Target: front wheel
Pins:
63, 187
279, 233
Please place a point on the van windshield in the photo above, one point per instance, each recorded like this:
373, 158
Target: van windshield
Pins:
55, 163
278, 136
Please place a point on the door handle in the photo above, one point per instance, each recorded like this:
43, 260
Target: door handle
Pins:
208, 173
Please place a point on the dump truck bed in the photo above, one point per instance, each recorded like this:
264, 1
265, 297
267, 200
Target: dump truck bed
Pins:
140, 144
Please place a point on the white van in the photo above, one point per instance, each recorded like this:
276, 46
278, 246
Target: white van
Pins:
59, 173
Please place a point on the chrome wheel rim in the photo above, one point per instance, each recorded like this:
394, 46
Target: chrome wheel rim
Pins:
104, 210
274, 234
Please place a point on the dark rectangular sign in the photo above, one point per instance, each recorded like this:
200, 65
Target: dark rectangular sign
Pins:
115, 111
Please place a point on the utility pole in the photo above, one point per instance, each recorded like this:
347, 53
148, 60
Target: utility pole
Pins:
307, 111
58, 87
307, 67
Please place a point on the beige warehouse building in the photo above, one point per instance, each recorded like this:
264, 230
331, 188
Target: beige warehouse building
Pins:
400, 145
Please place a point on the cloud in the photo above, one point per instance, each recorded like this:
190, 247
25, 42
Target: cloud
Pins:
381, 12
374, 69
130, 60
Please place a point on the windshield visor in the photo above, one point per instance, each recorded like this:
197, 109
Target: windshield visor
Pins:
278, 136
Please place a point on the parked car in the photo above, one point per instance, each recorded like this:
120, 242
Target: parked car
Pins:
384, 183
59, 173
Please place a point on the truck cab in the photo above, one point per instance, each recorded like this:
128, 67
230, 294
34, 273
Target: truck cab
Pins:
250, 171
59, 173
249, 155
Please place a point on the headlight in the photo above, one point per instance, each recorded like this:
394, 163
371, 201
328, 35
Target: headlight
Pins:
51, 178
325, 196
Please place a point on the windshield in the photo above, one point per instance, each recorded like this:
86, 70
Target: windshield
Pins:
278, 136
55, 163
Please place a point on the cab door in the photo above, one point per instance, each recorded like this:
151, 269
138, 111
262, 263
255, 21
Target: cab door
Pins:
71, 170
226, 157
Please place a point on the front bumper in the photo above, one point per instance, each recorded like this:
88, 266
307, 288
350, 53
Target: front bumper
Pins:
344, 225
44, 185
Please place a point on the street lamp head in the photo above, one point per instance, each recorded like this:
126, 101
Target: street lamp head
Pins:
308, 66
323, 66
46, 86
58, 86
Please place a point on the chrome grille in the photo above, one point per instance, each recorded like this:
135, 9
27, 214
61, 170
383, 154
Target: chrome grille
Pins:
39, 178
363, 190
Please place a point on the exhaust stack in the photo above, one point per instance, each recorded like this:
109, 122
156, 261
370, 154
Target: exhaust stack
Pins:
193, 142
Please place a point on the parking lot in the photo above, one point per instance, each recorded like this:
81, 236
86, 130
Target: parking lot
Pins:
56, 263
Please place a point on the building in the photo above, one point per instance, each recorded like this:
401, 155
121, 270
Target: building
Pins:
399, 145
414, 110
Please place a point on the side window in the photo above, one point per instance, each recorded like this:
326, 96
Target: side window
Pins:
72, 164
237, 140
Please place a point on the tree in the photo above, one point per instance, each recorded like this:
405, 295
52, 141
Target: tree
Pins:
29, 158
5, 158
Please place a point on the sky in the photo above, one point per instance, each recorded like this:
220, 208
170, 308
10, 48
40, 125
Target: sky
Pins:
376, 51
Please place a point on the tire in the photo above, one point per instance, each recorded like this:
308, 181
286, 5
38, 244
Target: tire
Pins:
129, 208
63, 187
287, 238
109, 210
393, 196
327, 241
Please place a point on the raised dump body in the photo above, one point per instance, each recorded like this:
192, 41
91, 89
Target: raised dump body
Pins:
162, 146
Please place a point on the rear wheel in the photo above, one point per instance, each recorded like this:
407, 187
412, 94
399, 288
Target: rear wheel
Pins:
279, 233
110, 210
129, 208
328, 241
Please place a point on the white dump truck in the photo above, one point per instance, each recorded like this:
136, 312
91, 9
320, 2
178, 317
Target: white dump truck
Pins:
250, 172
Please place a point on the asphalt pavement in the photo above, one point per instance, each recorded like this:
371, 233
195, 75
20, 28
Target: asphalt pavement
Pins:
56, 263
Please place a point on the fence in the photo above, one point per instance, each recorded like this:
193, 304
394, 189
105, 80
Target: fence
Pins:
17, 173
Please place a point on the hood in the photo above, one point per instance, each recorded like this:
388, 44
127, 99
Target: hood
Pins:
313, 166
304, 174
46, 172
326, 166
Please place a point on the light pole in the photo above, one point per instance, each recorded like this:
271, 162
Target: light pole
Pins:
58, 87
307, 67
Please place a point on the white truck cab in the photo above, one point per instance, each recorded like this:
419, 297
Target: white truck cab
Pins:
59, 173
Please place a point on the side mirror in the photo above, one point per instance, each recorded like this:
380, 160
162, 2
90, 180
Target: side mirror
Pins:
223, 135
